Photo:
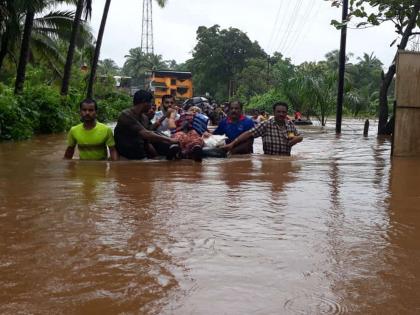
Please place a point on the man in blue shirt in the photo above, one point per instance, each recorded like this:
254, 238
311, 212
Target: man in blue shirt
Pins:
234, 125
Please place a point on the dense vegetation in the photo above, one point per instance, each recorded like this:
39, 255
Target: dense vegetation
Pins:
45, 57
404, 15
227, 65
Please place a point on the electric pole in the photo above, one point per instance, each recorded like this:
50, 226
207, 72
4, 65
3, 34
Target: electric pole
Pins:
342, 67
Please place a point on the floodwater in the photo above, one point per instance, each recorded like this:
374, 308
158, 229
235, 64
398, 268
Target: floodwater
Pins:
334, 229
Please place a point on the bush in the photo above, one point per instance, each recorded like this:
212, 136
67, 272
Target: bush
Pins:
265, 101
55, 114
111, 105
15, 122
42, 110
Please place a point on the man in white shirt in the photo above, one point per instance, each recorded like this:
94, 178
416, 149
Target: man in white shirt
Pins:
160, 121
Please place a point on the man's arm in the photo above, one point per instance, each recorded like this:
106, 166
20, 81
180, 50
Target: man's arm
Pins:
154, 137
171, 119
159, 122
255, 132
295, 140
114, 154
241, 138
68, 155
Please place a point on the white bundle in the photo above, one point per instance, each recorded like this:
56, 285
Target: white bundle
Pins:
214, 141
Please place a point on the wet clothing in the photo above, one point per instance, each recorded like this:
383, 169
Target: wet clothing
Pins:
189, 129
129, 143
164, 126
188, 140
233, 129
92, 143
190, 121
275, 136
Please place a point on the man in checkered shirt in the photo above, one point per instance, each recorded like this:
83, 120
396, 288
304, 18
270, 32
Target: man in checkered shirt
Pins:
278, 133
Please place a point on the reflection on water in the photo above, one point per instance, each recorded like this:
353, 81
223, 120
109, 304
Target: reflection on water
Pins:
333, 229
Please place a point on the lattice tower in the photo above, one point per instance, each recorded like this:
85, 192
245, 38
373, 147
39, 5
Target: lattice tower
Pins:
146, 45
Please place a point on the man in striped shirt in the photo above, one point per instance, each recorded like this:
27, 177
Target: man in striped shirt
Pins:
278, 134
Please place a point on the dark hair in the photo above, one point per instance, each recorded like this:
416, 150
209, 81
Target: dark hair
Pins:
238, 102
280, 104
164, 97
142, 96
88, 101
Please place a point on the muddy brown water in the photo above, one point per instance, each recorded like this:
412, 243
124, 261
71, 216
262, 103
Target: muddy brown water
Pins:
334, 229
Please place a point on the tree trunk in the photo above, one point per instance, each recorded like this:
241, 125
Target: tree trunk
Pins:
387, 78
98, 49
24, 50
72, 46
4, 46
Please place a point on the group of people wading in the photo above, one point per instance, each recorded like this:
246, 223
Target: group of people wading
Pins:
141, 132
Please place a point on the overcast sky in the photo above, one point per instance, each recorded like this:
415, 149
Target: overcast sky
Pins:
299, 29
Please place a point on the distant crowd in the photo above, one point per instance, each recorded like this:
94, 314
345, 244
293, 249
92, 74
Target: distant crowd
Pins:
180, 132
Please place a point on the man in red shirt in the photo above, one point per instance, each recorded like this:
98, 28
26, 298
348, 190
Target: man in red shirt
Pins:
234, 125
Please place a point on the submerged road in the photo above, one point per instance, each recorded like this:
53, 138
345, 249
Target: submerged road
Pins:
334, 229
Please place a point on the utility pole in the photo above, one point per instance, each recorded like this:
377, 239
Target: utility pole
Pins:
342, 68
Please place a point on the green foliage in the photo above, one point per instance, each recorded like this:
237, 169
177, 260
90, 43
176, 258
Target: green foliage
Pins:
139, 64
37, 110
253, 79
15, 122
311, 87
110, 106
218, 59
108, 67
41, 109
265, 101
54, 114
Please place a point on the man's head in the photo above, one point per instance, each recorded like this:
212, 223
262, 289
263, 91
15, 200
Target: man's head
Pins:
280, 111
235, 110
88, 109
168, 101
142, 100
151, 113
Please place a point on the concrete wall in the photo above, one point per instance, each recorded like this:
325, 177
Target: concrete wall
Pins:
407, 115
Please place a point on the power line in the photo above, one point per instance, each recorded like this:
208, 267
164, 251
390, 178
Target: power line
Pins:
308, 19
274, 26
283, 20
290, 25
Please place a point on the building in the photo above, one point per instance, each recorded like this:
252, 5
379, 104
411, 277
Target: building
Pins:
176, 83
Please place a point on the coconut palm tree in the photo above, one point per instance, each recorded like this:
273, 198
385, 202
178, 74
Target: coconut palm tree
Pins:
161, 3
134, 63
82, 5
108, 67
24, 49
40, 33
98, 49
9, 26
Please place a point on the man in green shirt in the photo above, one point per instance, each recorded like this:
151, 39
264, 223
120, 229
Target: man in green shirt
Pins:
91, 137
